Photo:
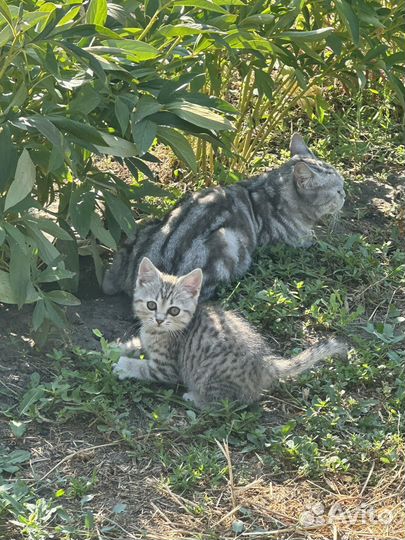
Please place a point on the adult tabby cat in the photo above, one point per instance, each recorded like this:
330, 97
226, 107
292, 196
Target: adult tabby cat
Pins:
218, 229
216, 354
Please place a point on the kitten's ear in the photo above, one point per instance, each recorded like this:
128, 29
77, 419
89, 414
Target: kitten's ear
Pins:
191, 283
298, 146
303, 175
147, 273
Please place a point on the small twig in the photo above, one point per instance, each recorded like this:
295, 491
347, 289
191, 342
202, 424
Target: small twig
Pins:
181, 501
161, 513
225, 450
130, 535
363, 489
9, 389
227, 515
264, 534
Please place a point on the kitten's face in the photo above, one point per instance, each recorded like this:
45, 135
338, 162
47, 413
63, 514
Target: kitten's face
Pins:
164, 303
319, 184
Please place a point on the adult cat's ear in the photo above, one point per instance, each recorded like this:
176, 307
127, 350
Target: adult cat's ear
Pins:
147, 273
191, 283
298, 146
303, 175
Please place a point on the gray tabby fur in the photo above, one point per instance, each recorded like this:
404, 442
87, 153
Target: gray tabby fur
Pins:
218, 229
214, 353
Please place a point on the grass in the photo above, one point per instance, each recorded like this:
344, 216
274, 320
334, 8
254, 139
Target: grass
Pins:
87, 456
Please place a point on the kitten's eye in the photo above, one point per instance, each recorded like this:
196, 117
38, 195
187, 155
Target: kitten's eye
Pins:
173, 311
151, 305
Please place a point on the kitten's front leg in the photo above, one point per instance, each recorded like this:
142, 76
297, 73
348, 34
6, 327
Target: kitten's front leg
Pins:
144, 370
134, 344
128, 368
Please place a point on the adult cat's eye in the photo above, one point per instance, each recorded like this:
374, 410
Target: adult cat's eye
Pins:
173, 311
151, 305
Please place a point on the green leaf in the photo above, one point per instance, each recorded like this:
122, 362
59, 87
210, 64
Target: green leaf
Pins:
179, 144
188, 29
17, 428
63, 297
121, 213
38, 315
54, 273
18, 99
53, 229
104, 236
145, 107
48, 130
143, 134
264, 83
5, 11
202, 4
14, 232
97, 12
257, 20
46, 249
6, 35
350, 19
7, 294
122, 113
2, 235
117, 147
54, 313
23, 182
310, 35
98, 263
81, 208
134, 49
199, 115
18, 456
85, 101
398, 87
87, 58
20, 272
8, 158
78, 129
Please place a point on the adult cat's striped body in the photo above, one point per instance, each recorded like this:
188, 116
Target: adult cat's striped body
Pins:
218, 229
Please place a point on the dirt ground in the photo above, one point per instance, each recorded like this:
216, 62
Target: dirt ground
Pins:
132, 478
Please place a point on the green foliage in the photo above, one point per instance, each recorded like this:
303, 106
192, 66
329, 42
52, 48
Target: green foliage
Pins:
75, 84
85, 80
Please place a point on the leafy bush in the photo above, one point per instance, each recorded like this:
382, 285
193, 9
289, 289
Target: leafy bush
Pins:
72, 89
80, 80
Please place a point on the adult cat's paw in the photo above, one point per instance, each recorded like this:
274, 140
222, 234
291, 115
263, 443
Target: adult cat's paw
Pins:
126, 368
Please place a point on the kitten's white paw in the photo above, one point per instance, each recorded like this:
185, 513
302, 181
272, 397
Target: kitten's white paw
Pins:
126, 368
189, 396
130, 346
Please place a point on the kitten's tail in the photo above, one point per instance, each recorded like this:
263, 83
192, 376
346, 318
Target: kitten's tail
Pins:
292, 367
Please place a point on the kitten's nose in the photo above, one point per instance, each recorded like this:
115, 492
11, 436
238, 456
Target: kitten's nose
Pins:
159, 321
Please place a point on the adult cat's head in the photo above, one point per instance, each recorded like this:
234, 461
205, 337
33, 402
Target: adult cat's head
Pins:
165, 303
318, 185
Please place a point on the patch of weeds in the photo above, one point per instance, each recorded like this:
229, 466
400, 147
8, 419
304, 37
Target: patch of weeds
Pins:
81, 486
196, 467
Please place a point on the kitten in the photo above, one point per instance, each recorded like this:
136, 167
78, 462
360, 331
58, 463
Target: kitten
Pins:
214, 353
218, 229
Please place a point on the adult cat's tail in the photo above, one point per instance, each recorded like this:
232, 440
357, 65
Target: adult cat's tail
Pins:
292, 367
